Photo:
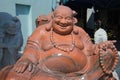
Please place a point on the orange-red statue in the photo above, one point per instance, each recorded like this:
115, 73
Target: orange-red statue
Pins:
60, 50
42, 19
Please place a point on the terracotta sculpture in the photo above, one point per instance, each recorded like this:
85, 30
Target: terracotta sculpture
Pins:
60, 50
42, 19
11, 40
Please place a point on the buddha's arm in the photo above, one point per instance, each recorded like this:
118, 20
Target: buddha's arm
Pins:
32, 48
28, 60
86, 40
30, 55
31, 52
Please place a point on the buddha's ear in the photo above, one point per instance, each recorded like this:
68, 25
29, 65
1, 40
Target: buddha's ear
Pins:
51, 15
74, 13
75, 20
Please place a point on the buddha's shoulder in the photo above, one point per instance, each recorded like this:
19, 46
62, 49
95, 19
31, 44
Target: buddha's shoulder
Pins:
79, 29
41, 29
40, 32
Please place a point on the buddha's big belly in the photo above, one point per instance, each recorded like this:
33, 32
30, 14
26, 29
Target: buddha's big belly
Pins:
65, 62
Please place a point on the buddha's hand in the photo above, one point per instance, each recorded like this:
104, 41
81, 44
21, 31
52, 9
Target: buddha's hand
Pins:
107, 44
23, 65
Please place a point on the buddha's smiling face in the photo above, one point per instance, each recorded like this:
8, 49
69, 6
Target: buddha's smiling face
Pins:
63, 20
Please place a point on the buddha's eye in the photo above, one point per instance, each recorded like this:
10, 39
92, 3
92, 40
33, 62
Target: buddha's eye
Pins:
68, 18
59, 17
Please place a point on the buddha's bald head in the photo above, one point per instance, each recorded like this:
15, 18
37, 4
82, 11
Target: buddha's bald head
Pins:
63, 9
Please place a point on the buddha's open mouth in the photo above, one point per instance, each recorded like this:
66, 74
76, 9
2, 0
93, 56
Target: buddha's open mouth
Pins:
63, 27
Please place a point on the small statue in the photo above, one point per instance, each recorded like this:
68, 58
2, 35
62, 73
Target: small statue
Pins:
11, 40
60, 50
100, 34
42, 19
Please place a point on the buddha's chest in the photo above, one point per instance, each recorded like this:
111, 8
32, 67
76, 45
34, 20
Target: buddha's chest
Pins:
66, 43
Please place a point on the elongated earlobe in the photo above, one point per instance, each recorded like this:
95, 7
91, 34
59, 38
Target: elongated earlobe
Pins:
75, 31
75, 20
48, 28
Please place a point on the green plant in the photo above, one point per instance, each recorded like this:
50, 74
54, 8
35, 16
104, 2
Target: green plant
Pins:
111, 35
